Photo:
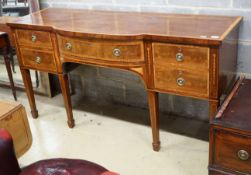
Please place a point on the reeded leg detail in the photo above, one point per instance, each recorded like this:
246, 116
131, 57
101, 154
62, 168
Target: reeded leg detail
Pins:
29, 90
154, 116
64, 83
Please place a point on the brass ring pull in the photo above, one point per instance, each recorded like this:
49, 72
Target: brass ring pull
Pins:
33, 38
181, 81
68, 46
179, 57
243, 155
117, 52
38, 60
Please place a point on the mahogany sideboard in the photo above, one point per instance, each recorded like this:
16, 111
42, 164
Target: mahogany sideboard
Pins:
187, 55
230, 134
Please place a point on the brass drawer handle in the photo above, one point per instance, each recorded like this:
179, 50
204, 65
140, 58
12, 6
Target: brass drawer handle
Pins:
243, 155
117, 52
179, 57
38, 60
33, 38
68, 46
181, 81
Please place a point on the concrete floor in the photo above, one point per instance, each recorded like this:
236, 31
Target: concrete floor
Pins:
115, 136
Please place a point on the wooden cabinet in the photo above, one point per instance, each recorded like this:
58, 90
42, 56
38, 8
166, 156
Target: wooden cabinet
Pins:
230, 134
169, 55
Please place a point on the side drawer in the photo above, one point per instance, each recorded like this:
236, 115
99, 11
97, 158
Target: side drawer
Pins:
184, 81
232, 151
40, 60
192, 57
122, 51
34, 38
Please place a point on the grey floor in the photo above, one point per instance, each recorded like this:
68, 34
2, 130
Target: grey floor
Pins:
115, 136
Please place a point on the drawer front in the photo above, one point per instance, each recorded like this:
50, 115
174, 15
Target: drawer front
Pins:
39, 60
232, 151
102, 50
34, 38
192, 57
180, 80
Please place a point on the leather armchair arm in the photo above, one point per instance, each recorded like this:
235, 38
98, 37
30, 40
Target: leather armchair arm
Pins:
8, 161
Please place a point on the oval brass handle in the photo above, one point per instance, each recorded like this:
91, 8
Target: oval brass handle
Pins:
68, 46
117, 52
38, 60
181, 81
243, 155
179, 57
33, 38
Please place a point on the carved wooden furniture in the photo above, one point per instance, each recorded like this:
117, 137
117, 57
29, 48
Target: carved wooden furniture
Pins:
5, 49
13, 118
187, 55
230, 134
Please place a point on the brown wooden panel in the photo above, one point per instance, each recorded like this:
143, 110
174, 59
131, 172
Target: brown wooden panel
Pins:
226, 150
43, 39
47, 61
228, 54
196, 82
103, 50
193, 57
13, 118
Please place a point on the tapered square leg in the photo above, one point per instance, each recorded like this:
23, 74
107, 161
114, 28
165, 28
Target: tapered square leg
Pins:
29, 91
64, 83
8, 67
154, 116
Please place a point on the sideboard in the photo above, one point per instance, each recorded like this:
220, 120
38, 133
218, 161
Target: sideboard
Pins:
187, 55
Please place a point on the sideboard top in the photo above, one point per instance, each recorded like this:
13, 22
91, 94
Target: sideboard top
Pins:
205, 29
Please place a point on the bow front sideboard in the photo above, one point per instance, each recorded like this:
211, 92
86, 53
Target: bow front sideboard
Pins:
186, 55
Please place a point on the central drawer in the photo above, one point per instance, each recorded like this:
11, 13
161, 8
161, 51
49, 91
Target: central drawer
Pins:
122, 51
